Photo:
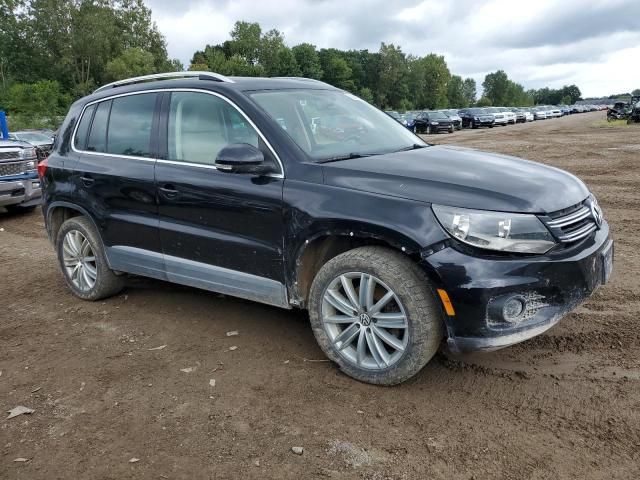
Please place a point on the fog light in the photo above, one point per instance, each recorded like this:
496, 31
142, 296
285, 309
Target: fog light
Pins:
513, 308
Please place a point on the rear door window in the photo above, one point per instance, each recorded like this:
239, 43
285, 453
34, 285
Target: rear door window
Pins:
130, 125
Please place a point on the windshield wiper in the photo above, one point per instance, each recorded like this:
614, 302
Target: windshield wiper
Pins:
349, 156
415, 146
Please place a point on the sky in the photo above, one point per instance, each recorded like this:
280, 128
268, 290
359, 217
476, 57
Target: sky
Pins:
594, 44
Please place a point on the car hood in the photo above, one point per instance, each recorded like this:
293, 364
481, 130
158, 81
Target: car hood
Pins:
461, 177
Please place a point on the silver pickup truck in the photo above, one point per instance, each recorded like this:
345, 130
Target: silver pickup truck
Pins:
19, 182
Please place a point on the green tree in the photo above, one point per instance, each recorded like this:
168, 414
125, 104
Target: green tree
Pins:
133, 62
469, 91
484, 102
336, 69
44, 97
271, 43
246, 41
287, 64
636, 92
495, 87
436, 79
308, 60
455, 93
393, 76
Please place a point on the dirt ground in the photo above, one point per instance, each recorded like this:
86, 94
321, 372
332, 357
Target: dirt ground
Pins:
562, 405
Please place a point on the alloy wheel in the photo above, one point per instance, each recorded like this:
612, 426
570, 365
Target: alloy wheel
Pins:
79, 260
365, 321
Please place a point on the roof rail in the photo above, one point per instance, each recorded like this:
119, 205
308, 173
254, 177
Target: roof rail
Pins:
162, 76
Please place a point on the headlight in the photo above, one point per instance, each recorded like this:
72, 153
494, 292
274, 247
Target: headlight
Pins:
31, 165
476, 119
27, 153
435, 123
506, 232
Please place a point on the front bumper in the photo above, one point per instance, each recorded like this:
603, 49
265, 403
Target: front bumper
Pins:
21, 190
554, 283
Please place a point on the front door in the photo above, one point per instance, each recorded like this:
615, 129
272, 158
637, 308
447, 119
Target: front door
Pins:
219, 231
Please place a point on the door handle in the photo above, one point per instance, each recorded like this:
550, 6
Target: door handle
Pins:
169, 191
87, 181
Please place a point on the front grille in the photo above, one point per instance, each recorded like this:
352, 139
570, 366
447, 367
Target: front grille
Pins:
12, 168
573, 224
13, 155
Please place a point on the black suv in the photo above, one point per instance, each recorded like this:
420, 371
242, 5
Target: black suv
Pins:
293, 193
476, 117
433, 122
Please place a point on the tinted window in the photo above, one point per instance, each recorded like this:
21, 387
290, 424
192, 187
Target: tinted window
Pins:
130, 125
83, 128
200, 125
97, 141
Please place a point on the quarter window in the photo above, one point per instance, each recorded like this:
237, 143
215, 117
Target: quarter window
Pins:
80, 141
200, 125
97, 141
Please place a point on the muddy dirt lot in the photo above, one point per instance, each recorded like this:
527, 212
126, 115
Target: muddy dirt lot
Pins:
563, 405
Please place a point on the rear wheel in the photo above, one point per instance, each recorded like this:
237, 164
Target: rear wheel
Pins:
374, 314
83, 262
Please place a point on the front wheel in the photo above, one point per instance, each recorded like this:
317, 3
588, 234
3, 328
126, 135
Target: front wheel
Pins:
83, 262
450, 129
375, 315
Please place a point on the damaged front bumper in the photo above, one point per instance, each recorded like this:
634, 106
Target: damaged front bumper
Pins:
485, 290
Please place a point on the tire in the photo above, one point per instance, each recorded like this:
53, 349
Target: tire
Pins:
106, 283
473, 124
428, 131
450, 129
20, 208
413, 300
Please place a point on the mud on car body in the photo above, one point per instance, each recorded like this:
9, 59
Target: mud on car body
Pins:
393, 246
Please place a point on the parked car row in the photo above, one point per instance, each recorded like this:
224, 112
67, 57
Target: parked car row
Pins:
436, 121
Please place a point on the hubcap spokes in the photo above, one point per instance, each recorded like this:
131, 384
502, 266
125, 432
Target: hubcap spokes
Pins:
365, 320
79, 260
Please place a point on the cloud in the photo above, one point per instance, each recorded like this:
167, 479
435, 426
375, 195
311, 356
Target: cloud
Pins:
538, 43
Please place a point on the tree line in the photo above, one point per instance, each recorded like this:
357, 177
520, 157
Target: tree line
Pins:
55, 51
388, 78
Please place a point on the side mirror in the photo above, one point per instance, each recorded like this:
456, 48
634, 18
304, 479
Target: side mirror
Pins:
241, 158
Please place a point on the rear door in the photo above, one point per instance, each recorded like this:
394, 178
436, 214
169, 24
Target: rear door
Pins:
114, 179
219, 231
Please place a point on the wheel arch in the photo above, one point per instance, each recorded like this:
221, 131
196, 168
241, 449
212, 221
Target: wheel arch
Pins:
317, 248
59, 212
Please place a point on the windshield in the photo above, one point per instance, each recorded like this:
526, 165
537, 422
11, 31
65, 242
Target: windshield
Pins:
33, 137
328, 124
437, 116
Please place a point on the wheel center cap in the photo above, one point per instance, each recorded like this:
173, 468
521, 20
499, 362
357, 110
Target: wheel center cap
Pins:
365, 319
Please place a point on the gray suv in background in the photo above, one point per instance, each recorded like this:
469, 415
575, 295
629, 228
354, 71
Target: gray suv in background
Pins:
19, 183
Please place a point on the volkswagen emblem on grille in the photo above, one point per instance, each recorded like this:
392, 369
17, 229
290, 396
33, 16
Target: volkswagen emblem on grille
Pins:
364, 319
596, 212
